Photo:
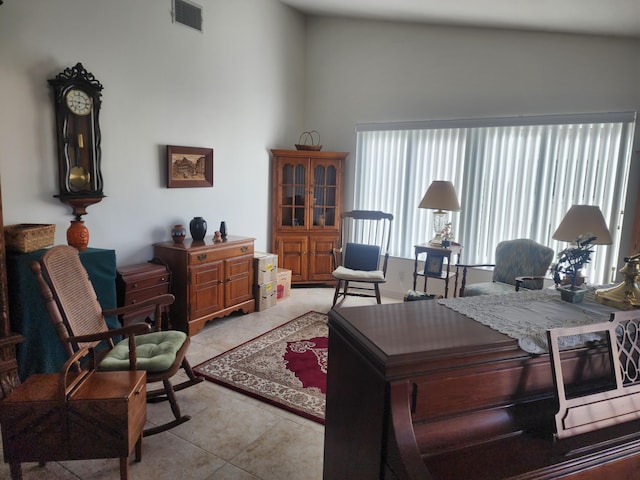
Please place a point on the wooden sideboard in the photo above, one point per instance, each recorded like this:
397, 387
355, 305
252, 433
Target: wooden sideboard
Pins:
472, 386
209, 280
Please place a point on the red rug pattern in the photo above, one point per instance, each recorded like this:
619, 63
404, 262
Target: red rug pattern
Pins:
286, 366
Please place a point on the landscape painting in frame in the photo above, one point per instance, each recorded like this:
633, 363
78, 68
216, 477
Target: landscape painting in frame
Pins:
189, 167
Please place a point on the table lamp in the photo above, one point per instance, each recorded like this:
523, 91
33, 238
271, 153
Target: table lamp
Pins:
583, 226
586, 220
441, 197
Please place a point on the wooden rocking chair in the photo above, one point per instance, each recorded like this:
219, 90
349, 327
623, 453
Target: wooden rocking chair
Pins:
79, 322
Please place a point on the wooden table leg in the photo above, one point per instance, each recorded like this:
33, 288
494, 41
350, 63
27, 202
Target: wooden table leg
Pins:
16, 471
139, 449
124, 468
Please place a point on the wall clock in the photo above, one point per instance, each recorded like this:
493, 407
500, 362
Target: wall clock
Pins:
77, 100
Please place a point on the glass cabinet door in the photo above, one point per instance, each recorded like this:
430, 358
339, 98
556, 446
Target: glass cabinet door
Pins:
324, 195
293, 195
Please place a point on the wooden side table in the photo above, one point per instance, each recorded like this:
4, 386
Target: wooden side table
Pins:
101, 415
437, 265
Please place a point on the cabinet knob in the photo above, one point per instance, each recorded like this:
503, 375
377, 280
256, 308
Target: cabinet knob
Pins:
135, 285
162, 279
244, 249
202, 256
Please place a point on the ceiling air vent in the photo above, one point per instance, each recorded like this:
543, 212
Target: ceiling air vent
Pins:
187, 13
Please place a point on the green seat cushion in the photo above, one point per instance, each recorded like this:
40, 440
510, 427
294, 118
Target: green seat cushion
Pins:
155, 352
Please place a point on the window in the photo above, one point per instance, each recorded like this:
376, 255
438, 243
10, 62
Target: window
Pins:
515, 178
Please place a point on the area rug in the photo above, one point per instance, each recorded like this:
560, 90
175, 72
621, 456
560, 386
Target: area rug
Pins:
286, 366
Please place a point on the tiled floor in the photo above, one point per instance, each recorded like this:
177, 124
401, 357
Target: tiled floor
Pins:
230, 436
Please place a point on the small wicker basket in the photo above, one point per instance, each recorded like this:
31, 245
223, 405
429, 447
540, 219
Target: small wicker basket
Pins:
28, 237
313, 145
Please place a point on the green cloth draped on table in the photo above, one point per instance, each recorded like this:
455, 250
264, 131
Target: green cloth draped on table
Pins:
41, 351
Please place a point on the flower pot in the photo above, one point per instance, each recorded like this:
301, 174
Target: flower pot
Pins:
572, 294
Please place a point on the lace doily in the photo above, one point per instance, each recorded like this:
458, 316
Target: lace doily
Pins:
526, 316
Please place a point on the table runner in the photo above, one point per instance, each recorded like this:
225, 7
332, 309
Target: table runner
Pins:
526, 316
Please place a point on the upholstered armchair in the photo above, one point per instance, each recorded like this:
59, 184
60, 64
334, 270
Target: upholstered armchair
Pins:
520, 263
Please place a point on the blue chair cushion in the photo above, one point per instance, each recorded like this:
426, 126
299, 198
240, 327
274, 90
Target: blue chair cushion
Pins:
362, 257
155, 352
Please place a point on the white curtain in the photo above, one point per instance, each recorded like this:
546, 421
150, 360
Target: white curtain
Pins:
515, 178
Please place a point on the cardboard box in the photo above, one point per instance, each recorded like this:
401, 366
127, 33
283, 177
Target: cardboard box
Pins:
265, 267
284, 284
265, 294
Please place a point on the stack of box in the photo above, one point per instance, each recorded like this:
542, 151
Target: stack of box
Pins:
284, 284
265, 267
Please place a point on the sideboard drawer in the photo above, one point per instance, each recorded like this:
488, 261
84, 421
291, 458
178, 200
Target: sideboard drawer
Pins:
135, 283
220, 253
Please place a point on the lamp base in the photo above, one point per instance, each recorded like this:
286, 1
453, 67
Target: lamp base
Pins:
436, 241
627, 294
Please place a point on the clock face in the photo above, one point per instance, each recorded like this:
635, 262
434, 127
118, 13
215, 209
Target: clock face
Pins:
79, 102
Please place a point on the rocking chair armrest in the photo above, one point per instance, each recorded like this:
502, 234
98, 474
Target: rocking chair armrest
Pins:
163, 300
130, 330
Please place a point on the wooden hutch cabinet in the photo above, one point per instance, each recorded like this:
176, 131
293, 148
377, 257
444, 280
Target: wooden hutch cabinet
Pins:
306, 207
209, 280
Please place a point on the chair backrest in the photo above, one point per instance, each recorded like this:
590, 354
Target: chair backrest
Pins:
521, 257
73, 292
365, 238
614, 397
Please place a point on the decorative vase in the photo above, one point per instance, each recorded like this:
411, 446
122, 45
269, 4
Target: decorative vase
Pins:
223, 230
198, 228
178, 233
572, 294
78, 235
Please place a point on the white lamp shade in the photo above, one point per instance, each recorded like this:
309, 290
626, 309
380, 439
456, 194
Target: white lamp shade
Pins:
441, 195
583, 220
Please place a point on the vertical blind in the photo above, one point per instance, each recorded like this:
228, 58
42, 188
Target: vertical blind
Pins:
515, 178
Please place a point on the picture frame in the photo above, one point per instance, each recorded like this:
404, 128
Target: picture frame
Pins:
433, 265
189, 167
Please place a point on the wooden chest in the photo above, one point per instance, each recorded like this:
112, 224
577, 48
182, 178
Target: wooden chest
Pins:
135, 283
103, 417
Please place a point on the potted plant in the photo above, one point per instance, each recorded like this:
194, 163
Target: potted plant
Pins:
570, 261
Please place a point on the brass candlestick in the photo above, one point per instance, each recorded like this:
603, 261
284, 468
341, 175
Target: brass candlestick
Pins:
627, 294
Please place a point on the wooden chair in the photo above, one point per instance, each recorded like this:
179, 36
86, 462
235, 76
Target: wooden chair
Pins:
79, 322
365, 239
520, 263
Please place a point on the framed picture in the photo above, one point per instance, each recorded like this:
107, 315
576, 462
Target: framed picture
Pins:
433, 265
189, 167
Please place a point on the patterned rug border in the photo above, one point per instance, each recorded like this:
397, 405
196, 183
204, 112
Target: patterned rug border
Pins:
281, 331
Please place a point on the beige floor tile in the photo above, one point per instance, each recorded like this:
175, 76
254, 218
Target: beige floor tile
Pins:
286, 451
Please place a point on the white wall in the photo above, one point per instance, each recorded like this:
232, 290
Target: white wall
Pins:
258, 76
238, 88
370, 71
